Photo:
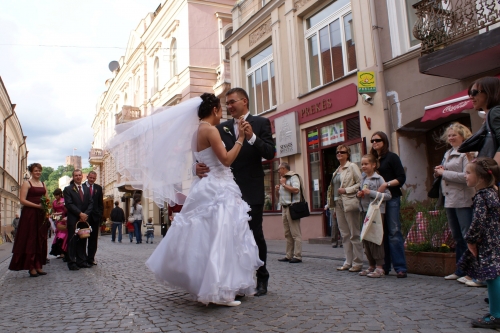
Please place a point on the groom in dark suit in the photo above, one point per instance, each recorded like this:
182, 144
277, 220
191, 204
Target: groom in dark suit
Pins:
247, 168
95, 218
79, 205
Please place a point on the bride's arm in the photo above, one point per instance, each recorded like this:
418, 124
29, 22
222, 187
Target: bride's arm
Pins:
226, 157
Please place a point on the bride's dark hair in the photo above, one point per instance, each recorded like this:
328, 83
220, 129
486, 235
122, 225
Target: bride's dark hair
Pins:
210, 101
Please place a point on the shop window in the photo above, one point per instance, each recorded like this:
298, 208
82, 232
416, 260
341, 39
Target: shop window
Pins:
331, 50
322, 142
261, 81
271, 179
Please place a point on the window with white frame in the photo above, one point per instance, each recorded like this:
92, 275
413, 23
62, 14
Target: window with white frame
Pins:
261, 80
411, 19
228, 33
173, 58
331, 51
156, 69
402, 18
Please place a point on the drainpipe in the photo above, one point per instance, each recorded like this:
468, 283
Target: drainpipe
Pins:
5, 142
145, 104
20, 165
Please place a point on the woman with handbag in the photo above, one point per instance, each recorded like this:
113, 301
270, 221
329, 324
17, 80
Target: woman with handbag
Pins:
457, 195
391, 169
345, 184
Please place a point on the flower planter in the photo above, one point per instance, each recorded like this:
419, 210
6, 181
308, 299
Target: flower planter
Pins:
430, 263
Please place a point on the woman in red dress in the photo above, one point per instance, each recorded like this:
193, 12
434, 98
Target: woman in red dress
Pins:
30, 246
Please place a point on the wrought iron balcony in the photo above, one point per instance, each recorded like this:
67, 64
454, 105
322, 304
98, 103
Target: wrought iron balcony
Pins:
95, 156
443, 22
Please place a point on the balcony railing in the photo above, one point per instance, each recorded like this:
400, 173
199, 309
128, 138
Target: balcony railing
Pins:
128, 113
442, 22
95, 156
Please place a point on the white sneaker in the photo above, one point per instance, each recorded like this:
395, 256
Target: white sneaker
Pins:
231, 303
451, 277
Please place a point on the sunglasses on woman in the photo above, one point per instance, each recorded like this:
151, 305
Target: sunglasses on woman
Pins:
341, 152
376, 140
474, 92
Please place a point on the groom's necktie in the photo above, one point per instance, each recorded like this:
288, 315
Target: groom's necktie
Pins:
91, 190
80, 192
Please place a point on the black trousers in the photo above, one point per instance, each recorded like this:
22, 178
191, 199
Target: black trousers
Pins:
255, 225
92, 240
77, 248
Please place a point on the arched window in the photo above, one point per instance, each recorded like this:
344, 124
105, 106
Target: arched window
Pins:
173, 58
156, 74
228, 33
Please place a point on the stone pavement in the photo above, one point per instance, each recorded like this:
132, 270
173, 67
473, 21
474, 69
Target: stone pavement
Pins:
121, 295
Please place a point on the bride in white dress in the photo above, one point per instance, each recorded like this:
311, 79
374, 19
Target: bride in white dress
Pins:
209, 251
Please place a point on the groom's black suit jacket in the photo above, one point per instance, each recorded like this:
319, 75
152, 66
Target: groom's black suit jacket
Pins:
74, 204
247, 168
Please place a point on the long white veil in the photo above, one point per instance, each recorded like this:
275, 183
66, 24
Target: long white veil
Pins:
155, 153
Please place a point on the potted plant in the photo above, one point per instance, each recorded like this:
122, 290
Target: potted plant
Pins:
427, 243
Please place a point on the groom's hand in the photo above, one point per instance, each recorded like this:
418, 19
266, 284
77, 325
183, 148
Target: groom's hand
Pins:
202, 170
248, 131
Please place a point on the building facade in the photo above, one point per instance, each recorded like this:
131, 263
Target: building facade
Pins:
431, 52
13, 161
302, 62
173, 54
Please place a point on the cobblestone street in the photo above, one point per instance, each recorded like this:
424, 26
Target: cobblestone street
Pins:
120, 295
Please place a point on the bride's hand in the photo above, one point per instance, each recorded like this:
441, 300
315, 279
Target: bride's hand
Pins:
241, 128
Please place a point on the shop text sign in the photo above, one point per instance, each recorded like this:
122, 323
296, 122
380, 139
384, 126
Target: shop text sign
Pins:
366, 82
287, 135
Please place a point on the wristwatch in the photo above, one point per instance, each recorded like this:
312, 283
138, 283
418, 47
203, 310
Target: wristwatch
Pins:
388, 184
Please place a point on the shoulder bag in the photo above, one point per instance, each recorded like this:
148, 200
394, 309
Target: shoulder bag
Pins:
299, 209
436, 184
483, 141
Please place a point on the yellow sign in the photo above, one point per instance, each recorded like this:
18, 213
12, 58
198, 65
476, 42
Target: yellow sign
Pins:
366, 82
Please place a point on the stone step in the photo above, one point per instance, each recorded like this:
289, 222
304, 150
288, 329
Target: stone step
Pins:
320, 240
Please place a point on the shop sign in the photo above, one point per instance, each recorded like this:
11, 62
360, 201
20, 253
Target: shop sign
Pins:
366, 82
327, 104
332, 134
287, 135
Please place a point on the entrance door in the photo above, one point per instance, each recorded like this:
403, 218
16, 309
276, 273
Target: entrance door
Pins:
330, 164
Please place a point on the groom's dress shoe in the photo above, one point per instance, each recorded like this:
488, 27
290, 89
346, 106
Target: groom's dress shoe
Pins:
261, 289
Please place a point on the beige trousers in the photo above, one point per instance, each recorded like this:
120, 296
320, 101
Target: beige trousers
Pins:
293, 235
350, 232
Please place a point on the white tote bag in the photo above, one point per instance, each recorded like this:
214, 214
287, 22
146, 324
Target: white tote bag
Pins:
373, 229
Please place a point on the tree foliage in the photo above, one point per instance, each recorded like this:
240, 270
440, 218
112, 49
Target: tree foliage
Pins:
52, 180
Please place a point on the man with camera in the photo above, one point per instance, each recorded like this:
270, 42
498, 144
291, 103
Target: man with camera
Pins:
289, 193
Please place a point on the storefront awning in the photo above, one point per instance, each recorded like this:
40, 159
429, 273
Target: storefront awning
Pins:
451, 105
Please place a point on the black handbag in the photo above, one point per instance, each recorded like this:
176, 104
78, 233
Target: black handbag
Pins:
483, 141
436, 187
299, 209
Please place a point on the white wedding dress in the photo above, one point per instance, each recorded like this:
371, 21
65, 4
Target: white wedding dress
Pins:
209, 251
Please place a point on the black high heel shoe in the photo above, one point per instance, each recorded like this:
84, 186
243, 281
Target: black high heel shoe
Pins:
33, 275
41, 273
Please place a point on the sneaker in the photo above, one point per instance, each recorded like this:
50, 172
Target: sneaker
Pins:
475, 283
464, 279
452, 277
377, 273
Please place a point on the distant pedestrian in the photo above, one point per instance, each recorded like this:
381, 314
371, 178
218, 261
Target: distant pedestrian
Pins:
131, 230
289, 193
117, 216
368, 192
150, 230
15, 224
138, 218
481, 260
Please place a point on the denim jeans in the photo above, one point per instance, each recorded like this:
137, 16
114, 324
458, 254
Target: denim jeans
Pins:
113, 231
131, 235
137, 230
459, 220
393, 239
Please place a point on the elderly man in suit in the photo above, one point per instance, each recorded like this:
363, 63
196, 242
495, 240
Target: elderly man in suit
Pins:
78, 202
247, 168
95, 217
